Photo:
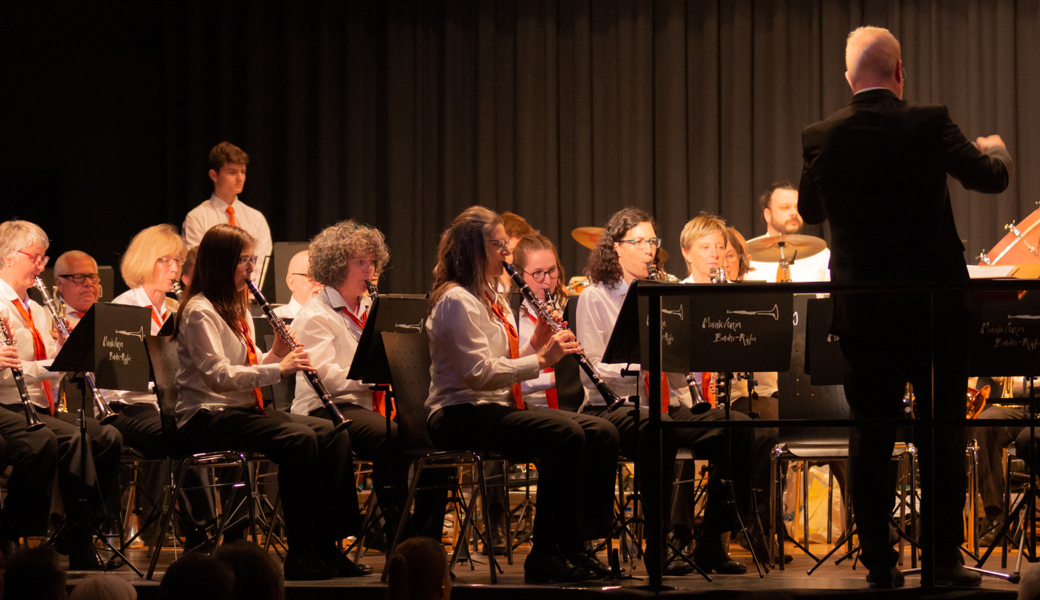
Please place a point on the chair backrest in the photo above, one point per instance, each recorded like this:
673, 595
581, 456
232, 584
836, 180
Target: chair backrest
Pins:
162, 353
570, 391
799, 399
408, 355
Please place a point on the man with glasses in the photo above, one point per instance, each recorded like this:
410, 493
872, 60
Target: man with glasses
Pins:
76, 277
300, 283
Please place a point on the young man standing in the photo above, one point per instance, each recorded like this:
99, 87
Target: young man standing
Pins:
227, 169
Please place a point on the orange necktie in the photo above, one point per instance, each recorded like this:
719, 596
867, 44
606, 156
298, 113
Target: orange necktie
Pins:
39, 349
231, 216
378, 398
665, 394
251, 353
156, 319
550, 394
514, 347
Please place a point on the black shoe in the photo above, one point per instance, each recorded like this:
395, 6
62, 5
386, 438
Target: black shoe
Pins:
885, 578
587, 559
676, 567
710, 555
340, 564
955, 575
498, 536
305, 566
83, 556
989, 530
553, 567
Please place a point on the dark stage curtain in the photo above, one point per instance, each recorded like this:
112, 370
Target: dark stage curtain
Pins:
402, 113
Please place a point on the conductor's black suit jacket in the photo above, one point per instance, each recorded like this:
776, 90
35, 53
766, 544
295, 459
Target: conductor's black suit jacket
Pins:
877, 170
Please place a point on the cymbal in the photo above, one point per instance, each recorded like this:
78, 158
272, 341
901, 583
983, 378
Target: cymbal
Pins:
588, 236
767, 249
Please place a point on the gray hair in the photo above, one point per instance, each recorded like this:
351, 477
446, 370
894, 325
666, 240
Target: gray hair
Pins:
331, 249
15, 235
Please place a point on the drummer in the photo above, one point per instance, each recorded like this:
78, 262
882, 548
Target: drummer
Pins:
780, 211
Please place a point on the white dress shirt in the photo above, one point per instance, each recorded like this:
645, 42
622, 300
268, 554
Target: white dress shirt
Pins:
330, 338
138, 297
469, 348
804, 270
215, 373
598, 309
288, 311
213, 212
34, 371
533, 389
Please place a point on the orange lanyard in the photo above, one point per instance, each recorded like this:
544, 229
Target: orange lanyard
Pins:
378, 398
550, 393
251, 353
514, 347
39, 349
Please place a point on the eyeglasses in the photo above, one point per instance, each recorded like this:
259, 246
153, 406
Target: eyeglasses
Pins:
250, 260
639, 244
79, 278
539, 276
168, 261
39, 259
500, 245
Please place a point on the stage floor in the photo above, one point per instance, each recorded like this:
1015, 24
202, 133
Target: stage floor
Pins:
829, 580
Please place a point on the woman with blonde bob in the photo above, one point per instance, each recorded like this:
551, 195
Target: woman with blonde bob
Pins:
703, 242
151, 264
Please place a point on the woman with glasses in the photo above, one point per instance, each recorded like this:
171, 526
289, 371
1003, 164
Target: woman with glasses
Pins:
535, 256
220, 408
150, 266
619, 258
23, 252
475, 400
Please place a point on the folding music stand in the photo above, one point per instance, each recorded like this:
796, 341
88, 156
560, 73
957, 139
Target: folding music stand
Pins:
397, 313
109, 342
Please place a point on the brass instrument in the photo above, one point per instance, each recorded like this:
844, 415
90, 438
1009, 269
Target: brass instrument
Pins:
32, 420
102, 411
609, 396
718, 275
338, 421
654, 273
976, 401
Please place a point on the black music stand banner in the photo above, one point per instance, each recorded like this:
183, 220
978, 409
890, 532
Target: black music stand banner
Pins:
400, 313
740, 332
1005, 335
109, 340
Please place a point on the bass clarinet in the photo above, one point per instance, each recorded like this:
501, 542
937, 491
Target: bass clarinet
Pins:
32, 420
609, 396
338, 421
102, 411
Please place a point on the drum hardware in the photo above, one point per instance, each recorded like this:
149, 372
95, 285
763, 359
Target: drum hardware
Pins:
982, 258
1021, 237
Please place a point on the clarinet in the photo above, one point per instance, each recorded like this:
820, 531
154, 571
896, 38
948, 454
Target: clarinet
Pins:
32, 420
283, 332
102, 411
178, 289
609, 396
373, 289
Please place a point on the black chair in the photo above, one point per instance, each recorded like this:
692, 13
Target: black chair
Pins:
409, 357
162, 352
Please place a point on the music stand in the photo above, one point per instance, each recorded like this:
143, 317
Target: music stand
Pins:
108, 345
397, 313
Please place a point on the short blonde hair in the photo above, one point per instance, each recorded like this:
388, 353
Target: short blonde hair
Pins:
138, 264
698, 227
335, 245
15, 235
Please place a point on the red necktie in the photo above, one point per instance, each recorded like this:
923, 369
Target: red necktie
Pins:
550, 394
251, 353
231, 216
39, 349
514, 347
378, 398
665, 394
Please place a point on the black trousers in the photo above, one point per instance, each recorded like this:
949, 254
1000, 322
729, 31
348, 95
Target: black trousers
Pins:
367, 431
992, 441
316, 469
141, 427
33, 456
880, 364
568, 480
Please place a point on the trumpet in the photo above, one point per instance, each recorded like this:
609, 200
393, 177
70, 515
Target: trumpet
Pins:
609, 396
338, 421
32, 420
102, 411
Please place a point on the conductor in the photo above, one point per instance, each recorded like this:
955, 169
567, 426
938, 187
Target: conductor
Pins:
878, 157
